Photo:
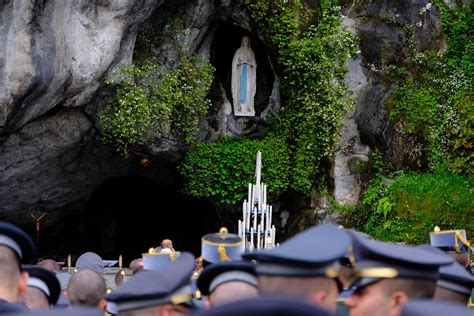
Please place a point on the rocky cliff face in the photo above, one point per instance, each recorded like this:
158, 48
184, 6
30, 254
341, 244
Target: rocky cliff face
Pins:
388, 32
57, 54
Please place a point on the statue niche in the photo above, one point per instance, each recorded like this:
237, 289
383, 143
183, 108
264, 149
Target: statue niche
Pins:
244, 79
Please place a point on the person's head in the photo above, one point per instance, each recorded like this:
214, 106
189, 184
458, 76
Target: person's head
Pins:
387, 296
90, 260
161, 292
122, 275
12, 280
306, 265
166, 244
454, 282
442, 294
199, 264
35, 299
462, 258
50, 265
231, 291
266, 306
388, 275
16, 248
43, 288
136, 265
226, 282
317, 290
346, 275
87, 288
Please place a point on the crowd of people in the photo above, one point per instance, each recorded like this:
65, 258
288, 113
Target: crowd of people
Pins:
324, 270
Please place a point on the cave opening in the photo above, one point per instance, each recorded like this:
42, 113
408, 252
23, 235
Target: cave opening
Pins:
128, 215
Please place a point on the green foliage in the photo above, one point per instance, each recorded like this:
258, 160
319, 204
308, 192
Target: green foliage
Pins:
222, 170
150, 104
437, 105
410, 207
312, 64
311, 61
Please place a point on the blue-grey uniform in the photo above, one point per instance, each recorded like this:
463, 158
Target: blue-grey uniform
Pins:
23, 247
265, 306
66, 312
434, 308
169, 285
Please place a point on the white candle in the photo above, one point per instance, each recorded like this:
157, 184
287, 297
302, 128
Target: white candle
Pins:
273, 236
254, 217
249, 209
250, 192
270, 217
251, 240
244, 210
258, 237
259, 166
264, 203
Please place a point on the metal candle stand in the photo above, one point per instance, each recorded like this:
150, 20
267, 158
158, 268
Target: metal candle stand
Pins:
256, 227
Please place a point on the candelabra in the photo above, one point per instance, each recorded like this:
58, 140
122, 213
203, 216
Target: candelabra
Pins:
256, 228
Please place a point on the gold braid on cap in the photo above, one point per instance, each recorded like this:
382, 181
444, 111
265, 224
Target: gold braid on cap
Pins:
352, 259
172, 256
385, 273
222, 253
462, 240
223, 232
180, 298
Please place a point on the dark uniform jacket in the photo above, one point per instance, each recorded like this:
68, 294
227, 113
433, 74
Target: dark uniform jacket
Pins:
8, 308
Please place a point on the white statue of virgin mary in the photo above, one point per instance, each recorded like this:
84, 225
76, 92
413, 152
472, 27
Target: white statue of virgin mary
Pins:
244, 79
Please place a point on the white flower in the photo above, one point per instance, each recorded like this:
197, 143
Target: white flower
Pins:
422, 10
428, 6
419, 24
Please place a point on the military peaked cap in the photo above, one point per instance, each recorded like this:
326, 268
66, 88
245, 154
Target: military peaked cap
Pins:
221, 247
219, 273
313, 252
46, 281
18, 241
375, 260
169, 285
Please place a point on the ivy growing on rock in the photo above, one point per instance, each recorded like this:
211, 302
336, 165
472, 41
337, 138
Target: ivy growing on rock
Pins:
312, 47
222, 170
437, 104
151, 102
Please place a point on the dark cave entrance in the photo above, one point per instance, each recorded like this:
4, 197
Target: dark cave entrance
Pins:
128, 215
131, 214
227, 40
